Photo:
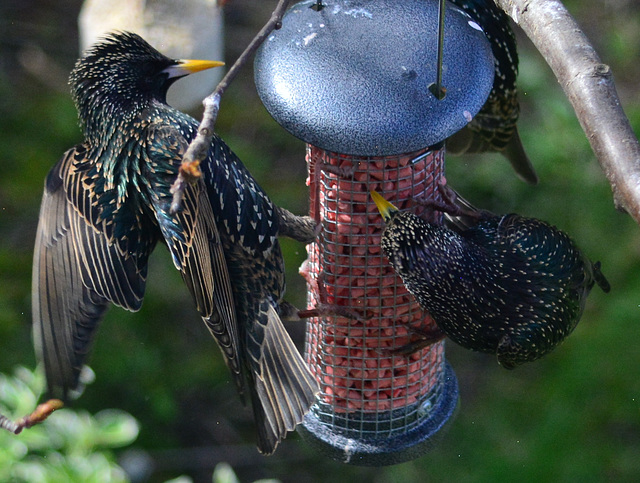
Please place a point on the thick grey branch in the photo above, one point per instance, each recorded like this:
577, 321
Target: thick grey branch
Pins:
588, 84
197, 151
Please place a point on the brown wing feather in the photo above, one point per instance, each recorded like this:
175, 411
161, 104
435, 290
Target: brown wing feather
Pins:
194, 242
69, 258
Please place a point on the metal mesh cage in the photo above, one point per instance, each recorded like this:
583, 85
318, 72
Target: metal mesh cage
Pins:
368, 392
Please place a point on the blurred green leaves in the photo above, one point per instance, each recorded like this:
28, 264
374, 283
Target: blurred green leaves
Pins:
70, 446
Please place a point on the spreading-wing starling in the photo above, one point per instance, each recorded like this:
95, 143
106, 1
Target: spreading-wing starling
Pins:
494, 127
107, 203
507, 285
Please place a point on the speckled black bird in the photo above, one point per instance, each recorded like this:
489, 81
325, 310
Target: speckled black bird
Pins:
107, 203
494, 127
507, 285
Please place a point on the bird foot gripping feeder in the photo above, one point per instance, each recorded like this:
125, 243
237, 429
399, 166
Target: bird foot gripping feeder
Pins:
352, 79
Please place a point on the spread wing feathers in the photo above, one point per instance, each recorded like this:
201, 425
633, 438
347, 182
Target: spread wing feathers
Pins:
194, 242
76, 273
107, 266
198, 255
284, 386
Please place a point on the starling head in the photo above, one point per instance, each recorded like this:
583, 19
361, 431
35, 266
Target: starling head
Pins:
122, 74
404, 229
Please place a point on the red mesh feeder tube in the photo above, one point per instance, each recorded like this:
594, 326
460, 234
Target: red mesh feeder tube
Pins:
373, 398
367, 309
353, 77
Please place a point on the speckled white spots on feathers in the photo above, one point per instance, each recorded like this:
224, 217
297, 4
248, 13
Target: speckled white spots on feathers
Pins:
510, 285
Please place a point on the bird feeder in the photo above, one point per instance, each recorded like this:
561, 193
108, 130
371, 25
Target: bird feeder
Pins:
352, 79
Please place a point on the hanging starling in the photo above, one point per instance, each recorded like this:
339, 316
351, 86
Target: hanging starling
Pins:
494, 127
107, 203
507, 285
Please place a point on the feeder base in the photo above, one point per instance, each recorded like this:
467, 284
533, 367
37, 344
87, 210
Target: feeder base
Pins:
387, 451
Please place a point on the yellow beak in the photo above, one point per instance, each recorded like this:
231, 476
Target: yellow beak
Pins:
198, 65
190, 66
386, 209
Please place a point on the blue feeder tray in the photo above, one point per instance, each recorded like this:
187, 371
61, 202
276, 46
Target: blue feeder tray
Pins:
354, 77
337, 444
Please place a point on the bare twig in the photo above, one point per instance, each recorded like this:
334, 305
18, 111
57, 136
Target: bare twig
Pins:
588, 84
42, 412
189, 170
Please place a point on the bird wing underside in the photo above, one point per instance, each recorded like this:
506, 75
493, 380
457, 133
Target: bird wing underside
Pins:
76, 273
194, 243
284, 386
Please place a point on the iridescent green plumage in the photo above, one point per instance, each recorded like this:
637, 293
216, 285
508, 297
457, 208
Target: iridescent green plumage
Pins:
508, 285
107, 203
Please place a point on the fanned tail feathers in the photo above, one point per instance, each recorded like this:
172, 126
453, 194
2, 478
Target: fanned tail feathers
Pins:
284, 387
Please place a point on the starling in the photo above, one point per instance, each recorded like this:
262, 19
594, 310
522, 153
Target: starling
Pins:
507, 285
106, 204
494, 127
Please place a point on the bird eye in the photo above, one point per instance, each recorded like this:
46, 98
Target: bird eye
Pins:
147, 69
151, 77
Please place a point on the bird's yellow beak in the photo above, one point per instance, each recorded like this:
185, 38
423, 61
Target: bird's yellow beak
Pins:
190, 66
386, 209
198, 65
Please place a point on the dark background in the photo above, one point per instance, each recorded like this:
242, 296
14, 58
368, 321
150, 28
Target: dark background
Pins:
573, 415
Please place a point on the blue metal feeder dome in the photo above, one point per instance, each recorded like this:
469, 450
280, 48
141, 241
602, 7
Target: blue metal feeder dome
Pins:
354, 77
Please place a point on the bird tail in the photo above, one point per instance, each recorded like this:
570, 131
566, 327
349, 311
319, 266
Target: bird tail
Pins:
467, 141
284, 388
600, 279
520, 162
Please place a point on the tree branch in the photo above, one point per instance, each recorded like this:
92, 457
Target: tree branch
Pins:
588, 84
189, 169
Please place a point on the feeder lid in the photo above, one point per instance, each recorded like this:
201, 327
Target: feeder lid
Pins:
354, 77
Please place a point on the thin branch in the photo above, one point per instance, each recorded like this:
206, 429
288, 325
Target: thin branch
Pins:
42, 412
588, 84
190, 169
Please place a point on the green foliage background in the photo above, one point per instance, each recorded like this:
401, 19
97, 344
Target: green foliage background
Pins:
71, 447
573, 415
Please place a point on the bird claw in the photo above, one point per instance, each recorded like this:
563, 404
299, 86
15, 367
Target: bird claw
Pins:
190, 171
427, 337
449, 204
341, 172
300, 228
324, 310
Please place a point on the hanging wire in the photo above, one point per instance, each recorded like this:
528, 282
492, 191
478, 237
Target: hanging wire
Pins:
437, 89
